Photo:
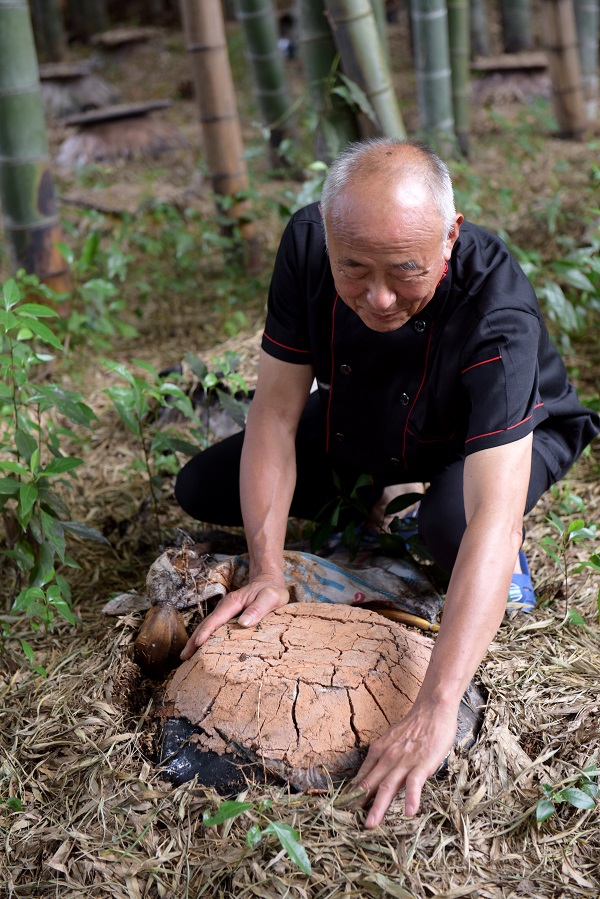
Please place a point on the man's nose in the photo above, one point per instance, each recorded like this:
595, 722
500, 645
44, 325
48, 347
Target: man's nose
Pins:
380, 296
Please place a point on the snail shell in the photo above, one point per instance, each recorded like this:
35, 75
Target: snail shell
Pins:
160, 640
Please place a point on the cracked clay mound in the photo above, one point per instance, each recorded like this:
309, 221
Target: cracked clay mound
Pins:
304, 692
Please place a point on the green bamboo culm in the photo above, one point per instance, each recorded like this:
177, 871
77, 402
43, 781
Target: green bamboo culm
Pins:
434, 77
380, 14
48, 30
587, 21
27, 195
87, 17
515, 17
459, 40
480, 44
364, 61
336, 123
257, 18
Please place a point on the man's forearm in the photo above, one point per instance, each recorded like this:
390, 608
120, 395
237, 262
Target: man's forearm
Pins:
267, 480
473, 610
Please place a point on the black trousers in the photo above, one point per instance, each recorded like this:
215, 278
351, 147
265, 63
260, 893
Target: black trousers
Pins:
207, 487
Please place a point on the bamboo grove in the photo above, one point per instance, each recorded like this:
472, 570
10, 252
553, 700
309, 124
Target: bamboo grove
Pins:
348, 75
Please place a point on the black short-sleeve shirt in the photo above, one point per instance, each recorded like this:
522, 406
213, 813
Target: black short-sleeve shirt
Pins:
475, 368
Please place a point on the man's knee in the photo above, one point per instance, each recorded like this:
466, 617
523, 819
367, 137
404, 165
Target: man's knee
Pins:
442, 520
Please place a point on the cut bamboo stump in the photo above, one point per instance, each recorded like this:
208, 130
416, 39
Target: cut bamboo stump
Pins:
300, 696
510, 78
68, 89
560, 41
124, 131
123, 39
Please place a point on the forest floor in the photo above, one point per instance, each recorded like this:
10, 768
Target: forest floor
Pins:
93, 816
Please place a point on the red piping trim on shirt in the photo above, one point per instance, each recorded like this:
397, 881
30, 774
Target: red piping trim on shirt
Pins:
285, 346
444, 273
327, 431
502, 430
485, 362
416, 396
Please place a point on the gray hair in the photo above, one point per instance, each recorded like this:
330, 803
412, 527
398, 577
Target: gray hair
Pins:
372, 157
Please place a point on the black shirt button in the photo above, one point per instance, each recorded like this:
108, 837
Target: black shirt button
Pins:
405, 399
339, 437
345, 369
395, 461
420, 325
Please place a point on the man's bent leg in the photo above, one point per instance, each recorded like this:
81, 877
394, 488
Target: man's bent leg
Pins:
207, 487
442, 519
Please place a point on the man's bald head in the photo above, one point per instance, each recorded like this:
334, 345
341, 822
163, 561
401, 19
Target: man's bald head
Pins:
389, 166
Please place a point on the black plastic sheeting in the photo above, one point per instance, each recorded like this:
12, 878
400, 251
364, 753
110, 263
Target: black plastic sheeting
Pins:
181, 759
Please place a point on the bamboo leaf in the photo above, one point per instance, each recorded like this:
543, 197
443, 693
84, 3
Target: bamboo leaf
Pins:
9, 486
577, 798
11, 294
253, 836
228, 809
27, 497
61, 465
37, 310
119, 369
44, 333
289, 840
544, 810
15, 467
85, 532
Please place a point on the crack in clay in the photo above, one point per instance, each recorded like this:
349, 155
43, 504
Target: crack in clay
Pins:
357, 740
376, 701
294, 719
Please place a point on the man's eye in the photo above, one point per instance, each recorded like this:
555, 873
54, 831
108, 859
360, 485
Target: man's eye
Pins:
353, 272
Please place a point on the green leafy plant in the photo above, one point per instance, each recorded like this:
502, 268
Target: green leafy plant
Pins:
569, 287
328, 519
223, 384
287, 836
559, 546
34, 465
136, 403
582, 794
95, 304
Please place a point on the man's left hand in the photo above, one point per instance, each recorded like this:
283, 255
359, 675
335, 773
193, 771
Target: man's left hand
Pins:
405, 756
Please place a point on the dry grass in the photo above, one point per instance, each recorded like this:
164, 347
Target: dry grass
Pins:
96, 819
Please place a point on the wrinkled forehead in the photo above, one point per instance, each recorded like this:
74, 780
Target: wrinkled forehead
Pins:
366, 212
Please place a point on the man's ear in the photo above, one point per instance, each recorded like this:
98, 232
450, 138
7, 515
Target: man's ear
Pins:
453, 236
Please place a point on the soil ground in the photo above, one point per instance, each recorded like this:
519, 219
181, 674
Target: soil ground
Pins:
96, 820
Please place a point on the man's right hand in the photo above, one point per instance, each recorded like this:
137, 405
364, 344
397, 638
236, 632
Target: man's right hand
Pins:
261, 596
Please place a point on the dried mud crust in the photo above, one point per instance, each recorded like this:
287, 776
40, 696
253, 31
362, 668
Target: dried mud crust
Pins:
304, 693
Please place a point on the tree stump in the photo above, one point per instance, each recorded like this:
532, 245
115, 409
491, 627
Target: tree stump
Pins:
123, 131
300, 696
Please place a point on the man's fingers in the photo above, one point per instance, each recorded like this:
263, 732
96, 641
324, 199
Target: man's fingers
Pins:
412, 781
266, 599
226, 609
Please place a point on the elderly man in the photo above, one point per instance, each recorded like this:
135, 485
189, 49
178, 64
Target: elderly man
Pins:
433, 364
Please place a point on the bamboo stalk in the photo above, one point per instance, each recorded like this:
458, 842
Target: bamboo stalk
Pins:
480, 45
48, 29
336, 122
515, 16
587, 21
379, 12
204, 31
357, 39
257, 18
27, 195
560, 41
88, 17
432, 65
459, 40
